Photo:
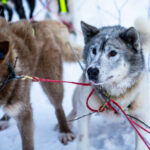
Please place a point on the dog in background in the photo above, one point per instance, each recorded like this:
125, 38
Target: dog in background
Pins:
46, 47
18, 5
114, 60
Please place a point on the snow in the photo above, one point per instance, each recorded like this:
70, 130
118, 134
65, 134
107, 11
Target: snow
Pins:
103, 135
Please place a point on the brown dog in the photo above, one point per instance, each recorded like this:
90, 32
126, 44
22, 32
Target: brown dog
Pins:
39, 47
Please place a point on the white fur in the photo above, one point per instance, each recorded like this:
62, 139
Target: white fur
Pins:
139, 95
4, 125
13, 110
143, 27
142, 111
83, 135
120, 79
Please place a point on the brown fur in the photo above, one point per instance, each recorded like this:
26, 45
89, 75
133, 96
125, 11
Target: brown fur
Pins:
39, 55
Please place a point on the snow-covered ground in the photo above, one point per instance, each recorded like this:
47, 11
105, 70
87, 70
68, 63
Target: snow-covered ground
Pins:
117, 136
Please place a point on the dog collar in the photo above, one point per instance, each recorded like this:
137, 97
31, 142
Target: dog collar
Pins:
11, 76
104, 92
107, 97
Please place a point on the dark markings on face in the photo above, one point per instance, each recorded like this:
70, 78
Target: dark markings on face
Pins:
104, 41
124, 48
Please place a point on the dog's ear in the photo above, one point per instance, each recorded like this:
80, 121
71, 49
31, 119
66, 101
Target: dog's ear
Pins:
131, 36
4, 48
88, 31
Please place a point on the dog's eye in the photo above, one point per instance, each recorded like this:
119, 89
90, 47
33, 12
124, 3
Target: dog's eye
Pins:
112, 54
94, 51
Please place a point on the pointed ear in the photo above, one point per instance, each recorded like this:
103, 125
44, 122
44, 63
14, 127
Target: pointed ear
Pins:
88, 31
131, 36
4, 48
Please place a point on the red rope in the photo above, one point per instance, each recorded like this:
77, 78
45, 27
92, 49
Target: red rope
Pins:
141, 127
101, 108
132, 123
35, 79
108, 103
87, 102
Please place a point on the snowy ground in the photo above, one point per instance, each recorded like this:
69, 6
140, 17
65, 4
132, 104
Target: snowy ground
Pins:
117, 136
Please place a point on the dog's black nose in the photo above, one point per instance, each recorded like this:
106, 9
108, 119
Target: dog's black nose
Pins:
93, 73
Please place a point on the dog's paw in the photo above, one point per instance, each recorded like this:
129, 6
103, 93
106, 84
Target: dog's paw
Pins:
66, 137
4, 125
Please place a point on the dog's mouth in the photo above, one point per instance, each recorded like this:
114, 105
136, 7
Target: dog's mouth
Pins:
95, 82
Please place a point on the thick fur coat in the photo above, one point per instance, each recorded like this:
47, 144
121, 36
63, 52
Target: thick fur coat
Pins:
114, 60
39, 48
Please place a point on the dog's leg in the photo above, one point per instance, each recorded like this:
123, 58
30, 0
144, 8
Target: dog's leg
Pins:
21, 111
25, 125
50, 66
31, 4
2, 11
23, 115
4, 122
71, 117
73, 113
19, 8
66, 134
10, 12
84, 143
55, 93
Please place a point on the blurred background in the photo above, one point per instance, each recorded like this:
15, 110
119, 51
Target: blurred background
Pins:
104, 136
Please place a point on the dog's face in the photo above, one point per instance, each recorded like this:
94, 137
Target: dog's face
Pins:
111, 54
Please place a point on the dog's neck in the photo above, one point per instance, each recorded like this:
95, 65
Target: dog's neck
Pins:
120, 90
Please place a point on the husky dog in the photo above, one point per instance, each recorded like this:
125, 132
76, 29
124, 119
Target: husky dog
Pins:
39, 54
115, 65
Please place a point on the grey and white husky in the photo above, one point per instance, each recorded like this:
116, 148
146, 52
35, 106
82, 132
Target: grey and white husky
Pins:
115, 63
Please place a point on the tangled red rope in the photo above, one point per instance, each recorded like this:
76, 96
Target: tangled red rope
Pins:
111, 104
